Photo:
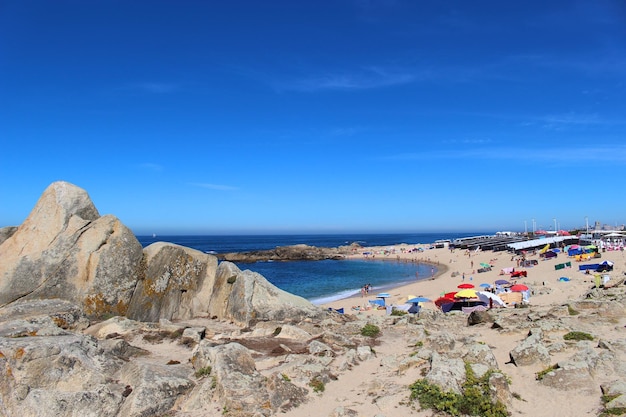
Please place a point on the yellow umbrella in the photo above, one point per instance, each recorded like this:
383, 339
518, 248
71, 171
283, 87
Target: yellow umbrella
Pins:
467, 293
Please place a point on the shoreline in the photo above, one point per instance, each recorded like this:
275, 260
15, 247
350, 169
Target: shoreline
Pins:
398, 253
458, 266
440, 270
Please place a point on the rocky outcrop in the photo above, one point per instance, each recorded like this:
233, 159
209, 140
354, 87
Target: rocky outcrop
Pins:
531, 350
290, 253
65, 250
176, 284
155, 388
247, 297
238, 384
7, 232
52, 375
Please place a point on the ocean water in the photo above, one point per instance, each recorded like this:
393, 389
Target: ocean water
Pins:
320, 281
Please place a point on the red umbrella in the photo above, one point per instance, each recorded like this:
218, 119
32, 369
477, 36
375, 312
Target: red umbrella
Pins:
519, 287
449, 295
466, 286
443, 300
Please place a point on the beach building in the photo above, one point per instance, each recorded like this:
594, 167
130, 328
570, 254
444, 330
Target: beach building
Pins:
533, 244
487, 242
605, 239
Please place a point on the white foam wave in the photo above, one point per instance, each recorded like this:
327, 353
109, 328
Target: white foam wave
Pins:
335, 297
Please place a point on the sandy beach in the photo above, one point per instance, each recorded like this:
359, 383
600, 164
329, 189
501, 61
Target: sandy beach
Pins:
362, 385
464, 266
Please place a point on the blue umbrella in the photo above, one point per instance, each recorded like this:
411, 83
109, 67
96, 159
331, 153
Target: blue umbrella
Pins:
383, 295
485, 285
418, 300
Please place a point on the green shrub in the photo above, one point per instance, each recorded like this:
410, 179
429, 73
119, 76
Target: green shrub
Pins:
578, 336
571, 311
317, 385
370, 330
396, 312
202, 372
475, 399
546, 371
617, 411
608, 398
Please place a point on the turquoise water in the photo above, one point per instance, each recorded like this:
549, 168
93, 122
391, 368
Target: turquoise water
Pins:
328, 280
320, 281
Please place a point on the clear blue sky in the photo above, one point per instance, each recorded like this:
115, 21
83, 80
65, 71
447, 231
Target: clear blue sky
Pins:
317, 116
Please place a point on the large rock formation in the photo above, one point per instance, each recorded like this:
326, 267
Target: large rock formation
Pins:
65, 250
181, 283
177, 283
246, 297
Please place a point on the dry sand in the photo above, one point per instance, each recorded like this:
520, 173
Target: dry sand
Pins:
368, 388
467, 263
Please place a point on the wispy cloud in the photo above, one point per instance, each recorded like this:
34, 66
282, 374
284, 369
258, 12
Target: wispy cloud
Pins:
219, 187
345, 131
532, 154
467, 141
151, 167
154, 88
360, 79
602, 63
572, 120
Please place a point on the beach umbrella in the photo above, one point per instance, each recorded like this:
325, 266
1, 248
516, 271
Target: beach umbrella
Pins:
383, 295
465, 286
485, 285
466, 293
416, 300
449, 295
486, 296
443, 300
519, 288
408, 297
484, 265
502, 282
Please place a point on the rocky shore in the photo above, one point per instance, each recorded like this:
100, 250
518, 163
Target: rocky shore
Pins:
91, 324
291, 253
